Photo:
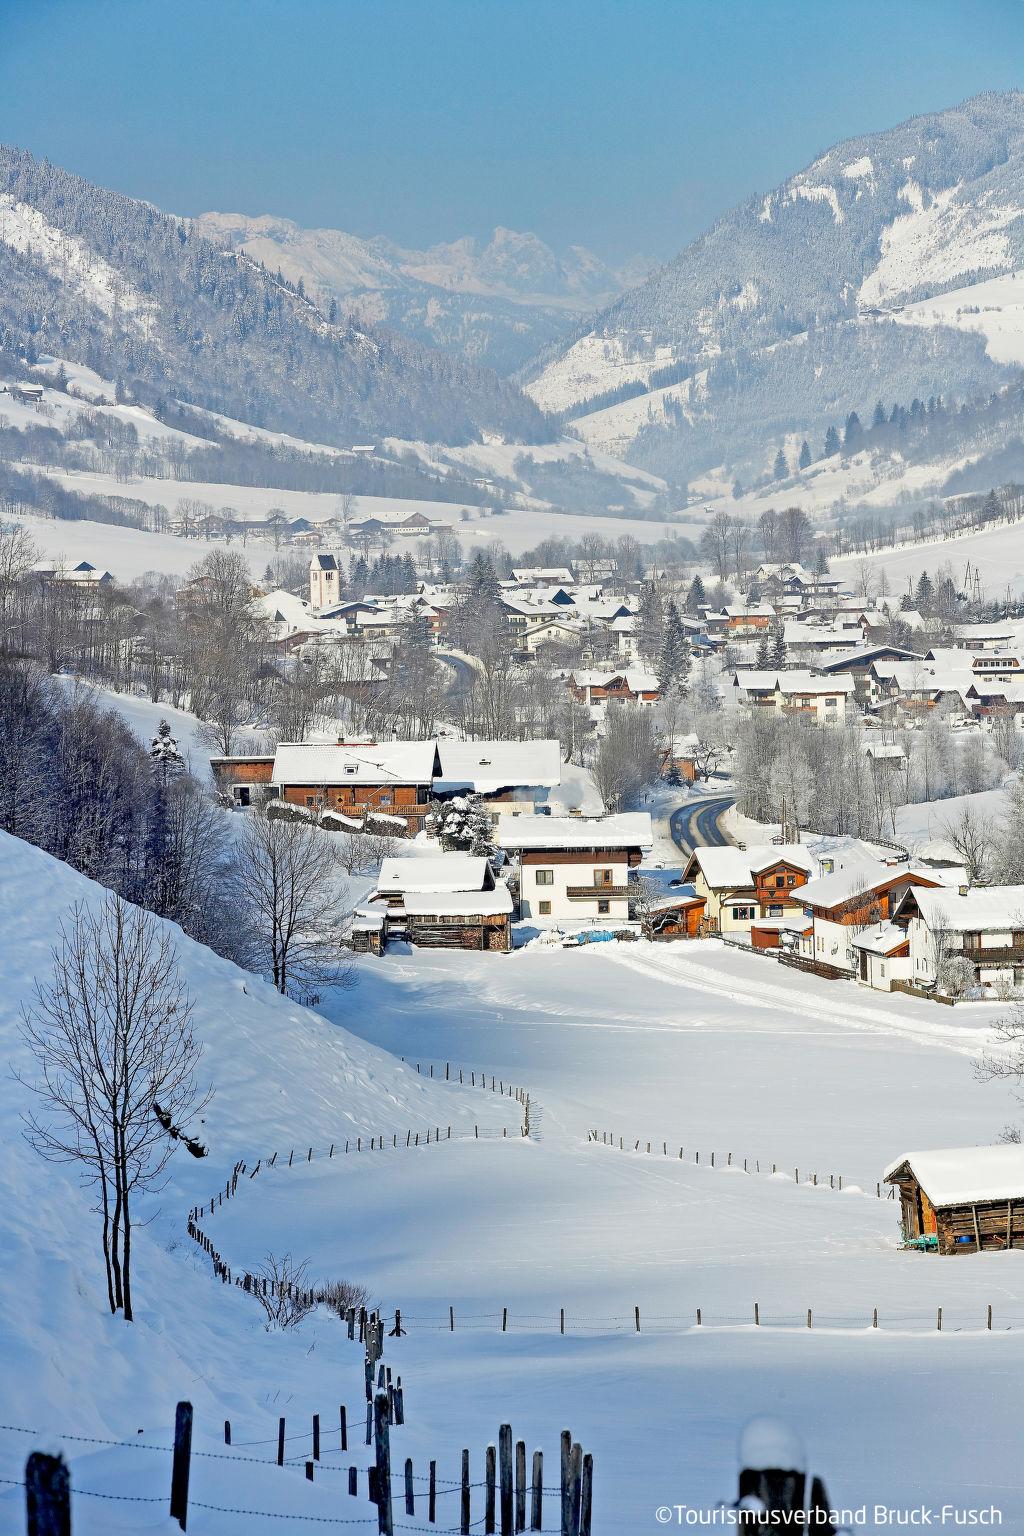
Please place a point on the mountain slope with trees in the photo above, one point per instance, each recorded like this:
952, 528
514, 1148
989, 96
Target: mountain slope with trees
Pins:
786, 313
108, 281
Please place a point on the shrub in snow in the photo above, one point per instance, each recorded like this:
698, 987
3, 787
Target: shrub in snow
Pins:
288, 1297
343, 1295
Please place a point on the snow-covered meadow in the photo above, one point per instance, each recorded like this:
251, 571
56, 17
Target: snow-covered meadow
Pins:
699, 1048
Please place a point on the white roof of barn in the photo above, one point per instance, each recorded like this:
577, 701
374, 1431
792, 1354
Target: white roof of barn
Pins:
989, 908
629, 829
487, 766
445, 872
966, 1175
385, 762
469, 903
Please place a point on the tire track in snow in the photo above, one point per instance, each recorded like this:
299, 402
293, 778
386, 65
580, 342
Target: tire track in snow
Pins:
690, 974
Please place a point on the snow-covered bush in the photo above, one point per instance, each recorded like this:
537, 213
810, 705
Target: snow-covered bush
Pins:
461, 825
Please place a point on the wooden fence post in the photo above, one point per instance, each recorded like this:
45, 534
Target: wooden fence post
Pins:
989, 1322
636, 1317
344, 1427
432, 1494
47, 1496
566, 1484
353, 1482
489, 1480
227, 1431
399, 1402
180, 1465
410, 1492
561, 1320
520, 1485
309, 1471
464, 1498
316, 1437
537, 1493
505, 1473
587, 1496
280, 1442
577, 1484
382, 1440
451, 1319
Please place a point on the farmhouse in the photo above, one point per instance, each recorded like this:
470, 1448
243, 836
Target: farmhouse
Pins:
451, 901
984, 925
575, 869
357, 778
741, 886
961, 1200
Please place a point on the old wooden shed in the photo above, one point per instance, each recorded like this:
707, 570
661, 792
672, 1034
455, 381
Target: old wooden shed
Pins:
961, 1200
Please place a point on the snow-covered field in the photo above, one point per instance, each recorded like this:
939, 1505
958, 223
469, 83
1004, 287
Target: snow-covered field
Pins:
996, 553
694, 1046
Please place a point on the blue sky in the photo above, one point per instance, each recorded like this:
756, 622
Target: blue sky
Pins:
627, 127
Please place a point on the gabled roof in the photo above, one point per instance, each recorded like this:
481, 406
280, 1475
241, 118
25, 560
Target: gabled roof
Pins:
487, 766
732, 869
444, 872
984, 909
964, 1175
629, 829
860, 880
880, 938
385, 762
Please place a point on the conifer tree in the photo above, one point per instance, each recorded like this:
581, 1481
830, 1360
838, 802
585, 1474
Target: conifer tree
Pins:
805, 455
696, 598
781, 469
831, 442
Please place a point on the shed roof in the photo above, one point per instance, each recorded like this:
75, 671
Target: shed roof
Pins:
445, 872
965, 1175
455, 903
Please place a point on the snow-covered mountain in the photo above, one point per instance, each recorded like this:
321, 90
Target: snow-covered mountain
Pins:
497, 302
816, 299
112, 283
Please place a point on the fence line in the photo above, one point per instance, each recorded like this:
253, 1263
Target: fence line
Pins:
835, 1181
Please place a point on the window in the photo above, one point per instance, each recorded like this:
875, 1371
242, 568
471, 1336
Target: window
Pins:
310, 800
603, 876
544, 877
741, 914
604, 907
544, 908
386, 797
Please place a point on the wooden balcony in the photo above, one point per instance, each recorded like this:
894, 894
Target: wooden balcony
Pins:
597, 892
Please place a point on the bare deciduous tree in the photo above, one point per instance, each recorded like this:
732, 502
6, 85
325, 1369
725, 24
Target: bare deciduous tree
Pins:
112, 1037
973, 837
290, 879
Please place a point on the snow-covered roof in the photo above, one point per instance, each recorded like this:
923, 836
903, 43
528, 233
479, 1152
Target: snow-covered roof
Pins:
680, 896
986, 908
487, 766
365, 921
880, 938
443, 873
790, 681
385, 762
856, 880
628, 829
470, 903
636, 680
727, 868
965, 1175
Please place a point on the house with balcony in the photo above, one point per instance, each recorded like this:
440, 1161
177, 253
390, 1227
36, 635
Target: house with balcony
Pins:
575, 870
842, 905
820, 698
984, 924
744, 888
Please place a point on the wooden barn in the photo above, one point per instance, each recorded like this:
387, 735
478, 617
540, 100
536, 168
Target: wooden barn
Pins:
449, 901
961, 1200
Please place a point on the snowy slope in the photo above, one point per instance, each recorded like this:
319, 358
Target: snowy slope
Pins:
672, 1045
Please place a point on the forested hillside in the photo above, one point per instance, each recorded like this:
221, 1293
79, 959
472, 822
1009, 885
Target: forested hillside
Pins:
111, 282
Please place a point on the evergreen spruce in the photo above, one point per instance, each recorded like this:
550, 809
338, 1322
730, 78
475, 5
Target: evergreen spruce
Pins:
831, 442
805, 455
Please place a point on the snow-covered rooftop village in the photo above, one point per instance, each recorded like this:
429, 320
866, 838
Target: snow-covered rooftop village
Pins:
511, 770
